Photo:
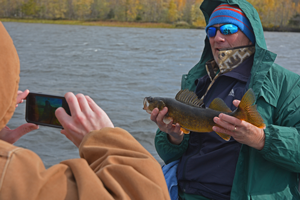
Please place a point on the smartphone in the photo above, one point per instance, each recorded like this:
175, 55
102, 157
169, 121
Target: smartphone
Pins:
40, 109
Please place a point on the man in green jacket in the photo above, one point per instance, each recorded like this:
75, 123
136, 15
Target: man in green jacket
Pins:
255, 163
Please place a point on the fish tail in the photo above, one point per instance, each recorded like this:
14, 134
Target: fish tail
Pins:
247, 110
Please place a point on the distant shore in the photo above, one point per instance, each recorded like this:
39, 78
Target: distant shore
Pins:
182, 25
101, 23
283, 29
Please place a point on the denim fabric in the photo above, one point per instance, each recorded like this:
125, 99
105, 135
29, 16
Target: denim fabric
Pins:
169, 171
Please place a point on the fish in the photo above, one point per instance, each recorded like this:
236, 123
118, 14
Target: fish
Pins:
186, 110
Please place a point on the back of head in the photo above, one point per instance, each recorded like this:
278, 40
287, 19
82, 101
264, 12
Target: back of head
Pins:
9, 76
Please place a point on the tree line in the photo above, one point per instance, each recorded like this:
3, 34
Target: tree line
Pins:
272, 12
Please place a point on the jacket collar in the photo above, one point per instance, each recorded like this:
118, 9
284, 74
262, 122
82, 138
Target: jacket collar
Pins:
228, 59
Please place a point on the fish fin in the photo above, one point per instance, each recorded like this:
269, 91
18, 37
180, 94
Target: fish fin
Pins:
254, 117
224, 136
219, 105
247, 111
167, 120
184, 130
189, 98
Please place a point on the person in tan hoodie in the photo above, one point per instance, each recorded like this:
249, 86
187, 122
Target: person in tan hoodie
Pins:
112, 164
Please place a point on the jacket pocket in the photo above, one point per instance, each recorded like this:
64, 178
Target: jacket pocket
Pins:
269, 96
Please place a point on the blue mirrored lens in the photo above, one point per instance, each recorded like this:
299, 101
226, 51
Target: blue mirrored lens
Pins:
225, 29
228, 29
211, 31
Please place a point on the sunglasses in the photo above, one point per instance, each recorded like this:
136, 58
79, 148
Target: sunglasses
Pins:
226, 29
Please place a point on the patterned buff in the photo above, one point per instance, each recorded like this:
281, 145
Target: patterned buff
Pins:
228, 60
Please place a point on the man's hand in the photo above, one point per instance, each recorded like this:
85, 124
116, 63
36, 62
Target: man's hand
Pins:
174, 132
242, 131
86, 116
21, 96
12, 135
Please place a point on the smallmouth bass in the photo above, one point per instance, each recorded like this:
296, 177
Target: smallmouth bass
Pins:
185, 109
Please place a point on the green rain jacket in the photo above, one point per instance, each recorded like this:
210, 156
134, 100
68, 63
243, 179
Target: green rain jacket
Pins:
273, 172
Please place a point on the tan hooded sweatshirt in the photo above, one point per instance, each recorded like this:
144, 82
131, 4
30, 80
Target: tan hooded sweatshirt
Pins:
113, 165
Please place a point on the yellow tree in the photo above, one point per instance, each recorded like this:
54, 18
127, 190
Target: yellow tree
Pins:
265, 9
133, 8
180, 8
298, 9
196, 14
82, 8
154, 10
30, 8
11, 8
180, 4
56, 9
172, 11
275, 12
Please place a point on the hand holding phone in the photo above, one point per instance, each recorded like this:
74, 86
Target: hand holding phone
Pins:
13, 135
21, 96
86, 116
40, 109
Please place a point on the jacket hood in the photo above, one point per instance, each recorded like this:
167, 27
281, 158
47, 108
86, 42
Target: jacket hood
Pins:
9, 76
208, 7
259, 70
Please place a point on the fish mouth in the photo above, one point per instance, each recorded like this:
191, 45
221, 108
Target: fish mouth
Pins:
146, 106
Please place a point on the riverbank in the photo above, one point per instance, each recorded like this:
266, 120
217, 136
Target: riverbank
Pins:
283, 29
102, 23
182, 25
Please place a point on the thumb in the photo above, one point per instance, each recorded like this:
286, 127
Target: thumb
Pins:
22, 95
236, 103
20, 131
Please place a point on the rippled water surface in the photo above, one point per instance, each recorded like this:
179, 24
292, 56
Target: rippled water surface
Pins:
117, 67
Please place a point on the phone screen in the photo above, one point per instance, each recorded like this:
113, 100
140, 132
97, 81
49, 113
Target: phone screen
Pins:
40, 109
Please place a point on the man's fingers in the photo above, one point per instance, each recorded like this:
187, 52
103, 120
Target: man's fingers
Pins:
73, 103
224, 124
177, 128
154, 114
64, 132
222, 130
230, 119
83, 103
22, 95
94, 107
170, 125
161, 115
22, 130
26, 128
236, 103
62, 116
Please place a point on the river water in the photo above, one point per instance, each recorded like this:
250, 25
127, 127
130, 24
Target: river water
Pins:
115, 66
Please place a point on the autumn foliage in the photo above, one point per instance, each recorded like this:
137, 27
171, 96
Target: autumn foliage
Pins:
272, 12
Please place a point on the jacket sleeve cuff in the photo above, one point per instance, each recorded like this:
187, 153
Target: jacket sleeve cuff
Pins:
168, 151
267, 142
278, 137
